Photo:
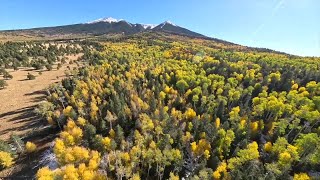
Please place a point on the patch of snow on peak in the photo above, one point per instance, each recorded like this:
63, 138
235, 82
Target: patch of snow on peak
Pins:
148, 26
108, 20
167, 22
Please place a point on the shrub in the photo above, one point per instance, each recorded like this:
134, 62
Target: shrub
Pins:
7, 76
49, 67
3, 84
4, 146
59, 66
31, 77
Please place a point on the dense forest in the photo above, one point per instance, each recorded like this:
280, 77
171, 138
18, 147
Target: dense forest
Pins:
173, 107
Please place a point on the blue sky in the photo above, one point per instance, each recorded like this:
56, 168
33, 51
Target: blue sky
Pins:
291, 26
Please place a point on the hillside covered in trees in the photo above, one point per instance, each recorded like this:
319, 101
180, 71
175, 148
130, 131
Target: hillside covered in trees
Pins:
171, 107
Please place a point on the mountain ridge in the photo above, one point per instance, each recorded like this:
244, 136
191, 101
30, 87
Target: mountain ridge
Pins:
110, 27
105, 26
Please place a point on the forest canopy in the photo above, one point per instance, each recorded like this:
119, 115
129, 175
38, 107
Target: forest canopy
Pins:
154, 108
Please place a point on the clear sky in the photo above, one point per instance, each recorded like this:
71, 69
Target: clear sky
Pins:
291, 26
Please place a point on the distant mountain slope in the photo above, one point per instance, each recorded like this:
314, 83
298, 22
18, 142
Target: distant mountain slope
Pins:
105, 26
204, 41
108, 27
172, 28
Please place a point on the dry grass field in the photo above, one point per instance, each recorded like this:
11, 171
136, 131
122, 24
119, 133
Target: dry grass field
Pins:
21, 96
17, 103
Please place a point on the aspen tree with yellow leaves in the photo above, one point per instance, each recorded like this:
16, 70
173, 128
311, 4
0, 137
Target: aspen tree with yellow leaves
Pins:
171, 107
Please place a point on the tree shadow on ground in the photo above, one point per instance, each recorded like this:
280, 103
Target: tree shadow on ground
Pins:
27, 116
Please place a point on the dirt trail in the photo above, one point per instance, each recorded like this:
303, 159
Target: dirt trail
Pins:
18, 100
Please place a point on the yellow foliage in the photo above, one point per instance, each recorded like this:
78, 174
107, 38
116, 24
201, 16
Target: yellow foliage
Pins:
57, 114
188, 93
271, 127
201, 147
69, 158
236, 109
94, 109
176, 153
88, 175
244, 155
222, 168
163, 118
45, 174
135, 177
106, 142
67, 110
55, 96
295, 86
206, 154
203, 135
30, 147
165, 109
301, 176
152, 145
217, 123
167, 54
162, 95
242, 123
167, 89
190, 113
112, 133
190, 126
254, 126
146, 122
50, 121
284, 158
72, 134
274, 76
268, 147
76, 133
193, 146
81, 121
70, 125
186, 138
125, 156
128, 111
80, 153
173, 176
85, 93
5, 159
94, 161
59, 146
301, 89
70, 173
219, 91
234, 113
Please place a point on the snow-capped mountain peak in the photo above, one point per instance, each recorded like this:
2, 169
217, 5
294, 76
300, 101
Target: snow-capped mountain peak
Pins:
108, 20
145, 26
165, 23
148, 26
169, 22
109, 25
